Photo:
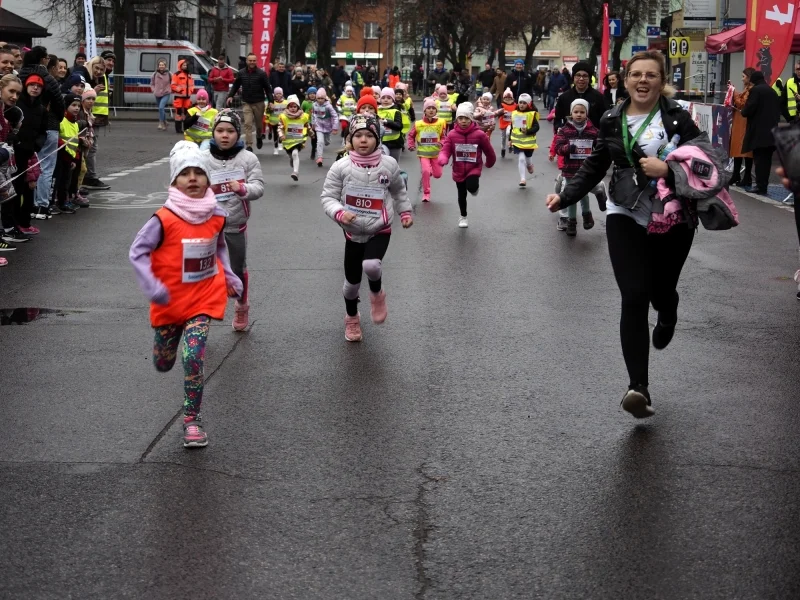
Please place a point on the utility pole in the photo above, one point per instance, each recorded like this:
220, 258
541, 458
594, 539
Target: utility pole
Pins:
426, 84
289, 41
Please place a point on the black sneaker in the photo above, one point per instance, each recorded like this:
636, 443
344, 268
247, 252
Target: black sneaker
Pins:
6, 247
562, 223
637, 402
662, 334
249, 148
83, 191
260, 142
53, 210
572, 227
42, 213
15, 236
503, 153
588, 220
67, 209
95, 184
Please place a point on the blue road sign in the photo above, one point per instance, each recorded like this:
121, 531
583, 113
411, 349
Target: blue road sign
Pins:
302, 18
427, 42
731, 23
653, 31
635, 49
615, 27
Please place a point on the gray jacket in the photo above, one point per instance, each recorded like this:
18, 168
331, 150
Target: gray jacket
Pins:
343, 174
238, 207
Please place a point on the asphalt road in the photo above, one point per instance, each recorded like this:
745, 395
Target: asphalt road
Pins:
471, 447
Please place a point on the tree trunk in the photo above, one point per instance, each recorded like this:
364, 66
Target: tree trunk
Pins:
123, 12
216, 46
593, 53
616, 55
501, 54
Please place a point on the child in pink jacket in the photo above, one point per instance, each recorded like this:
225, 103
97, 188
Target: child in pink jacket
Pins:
467, 144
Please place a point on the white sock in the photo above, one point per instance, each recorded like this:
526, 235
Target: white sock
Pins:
522, 164
295, 161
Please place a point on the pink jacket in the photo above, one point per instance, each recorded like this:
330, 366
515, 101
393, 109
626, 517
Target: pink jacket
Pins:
468, 160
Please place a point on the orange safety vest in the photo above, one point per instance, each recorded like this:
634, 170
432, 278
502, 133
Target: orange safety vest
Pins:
186, 263
182, 88
508, 109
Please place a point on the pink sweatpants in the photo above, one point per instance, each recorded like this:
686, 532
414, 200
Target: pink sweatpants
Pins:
429, 166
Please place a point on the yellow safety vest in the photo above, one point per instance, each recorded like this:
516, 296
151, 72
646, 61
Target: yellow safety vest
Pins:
445, 110
406, 117
791, 99
276, 111
101, 103
427, 147
203, 128
295, 131
453, 98
348, 106
389, 114
68, 133
523, 141
775, 87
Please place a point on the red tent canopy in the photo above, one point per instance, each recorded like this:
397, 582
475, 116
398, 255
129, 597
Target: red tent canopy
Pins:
732, 40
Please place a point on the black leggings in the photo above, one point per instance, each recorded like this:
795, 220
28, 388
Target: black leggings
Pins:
737, 169
470, 184
762, 158
17, 211
647, 269
355, 253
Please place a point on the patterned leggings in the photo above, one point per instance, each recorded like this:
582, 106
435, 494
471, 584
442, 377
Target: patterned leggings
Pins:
165, 350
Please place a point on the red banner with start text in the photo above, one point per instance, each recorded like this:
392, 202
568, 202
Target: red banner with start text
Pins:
768, 35
265, 15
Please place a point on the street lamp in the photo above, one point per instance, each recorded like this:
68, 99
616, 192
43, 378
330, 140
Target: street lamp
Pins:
380, 35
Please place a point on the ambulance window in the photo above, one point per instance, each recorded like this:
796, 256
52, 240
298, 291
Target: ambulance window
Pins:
148, 61
195, 68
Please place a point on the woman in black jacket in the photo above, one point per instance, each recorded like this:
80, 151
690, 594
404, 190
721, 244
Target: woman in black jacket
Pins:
646, 266
762, 111
614, 92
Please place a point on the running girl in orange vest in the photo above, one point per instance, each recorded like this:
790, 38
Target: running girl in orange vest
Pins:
182, 266
507, 108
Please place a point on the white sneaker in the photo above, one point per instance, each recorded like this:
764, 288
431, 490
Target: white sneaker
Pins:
462, 222
275, 153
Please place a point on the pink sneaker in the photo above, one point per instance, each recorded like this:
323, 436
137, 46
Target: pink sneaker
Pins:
352, 328
3, 262
426, 198
29, 230
193, 434
378, 307
241, 314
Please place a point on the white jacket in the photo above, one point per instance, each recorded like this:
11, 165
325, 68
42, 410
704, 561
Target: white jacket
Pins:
344, 177
238, 207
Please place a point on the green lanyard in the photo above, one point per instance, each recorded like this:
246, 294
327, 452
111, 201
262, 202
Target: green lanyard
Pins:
629, 142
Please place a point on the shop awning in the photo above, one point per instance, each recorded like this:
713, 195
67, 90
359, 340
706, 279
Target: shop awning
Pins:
732, 40
14, 24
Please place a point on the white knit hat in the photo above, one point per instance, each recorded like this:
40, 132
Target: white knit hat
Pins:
186, 154
376, 91
526, 98
465, 109
487, 96
293, 99
579, 102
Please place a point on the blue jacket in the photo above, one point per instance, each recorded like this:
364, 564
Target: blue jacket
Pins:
557, 84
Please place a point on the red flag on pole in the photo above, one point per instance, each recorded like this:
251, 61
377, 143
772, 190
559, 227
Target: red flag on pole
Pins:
768, 35
264, 16
603, 69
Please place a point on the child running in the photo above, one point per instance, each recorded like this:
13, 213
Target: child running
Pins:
362, 193
467, 144
293, 132
574, 142
392, 121
276, 108
181, 264
485, 114
324, 120
507, 108
406, 106
524, 125
347, 108
445, 107
426, 137
197, 126
236, 179
308, 108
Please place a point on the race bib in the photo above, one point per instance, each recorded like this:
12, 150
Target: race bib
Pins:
520, 121
350, 105
294, 131
506, 115
278, 110
429, 138
583, 149
221, 183
202, 124
365, 201
467, 153
444, 107
199, 259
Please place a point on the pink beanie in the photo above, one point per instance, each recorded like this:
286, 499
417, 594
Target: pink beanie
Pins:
508, 92
278, 90
441, 88
321, 93
429, 103
201, 93
387, 91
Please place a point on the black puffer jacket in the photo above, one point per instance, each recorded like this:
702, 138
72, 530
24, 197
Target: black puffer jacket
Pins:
33, 131
254, 84
51, 95
609, 148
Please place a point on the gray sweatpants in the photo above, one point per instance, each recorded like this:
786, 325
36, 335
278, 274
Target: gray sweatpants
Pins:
237, 252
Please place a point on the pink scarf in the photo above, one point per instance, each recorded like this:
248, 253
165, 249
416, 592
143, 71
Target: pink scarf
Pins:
370, 160
191, 210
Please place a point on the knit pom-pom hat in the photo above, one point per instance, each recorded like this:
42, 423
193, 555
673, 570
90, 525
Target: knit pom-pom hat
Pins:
368, 99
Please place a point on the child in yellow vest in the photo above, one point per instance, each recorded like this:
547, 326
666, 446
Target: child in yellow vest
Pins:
293, 131
426, 138
524, 125
346, 106
276, 109
446, 108
197, 126
406, 107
